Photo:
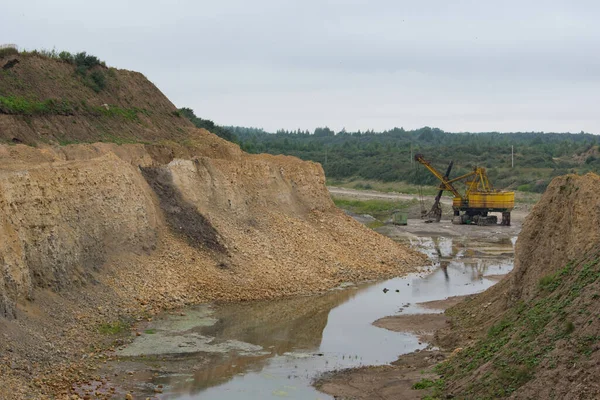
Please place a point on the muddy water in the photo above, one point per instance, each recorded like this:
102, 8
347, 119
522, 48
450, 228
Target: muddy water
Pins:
274, 349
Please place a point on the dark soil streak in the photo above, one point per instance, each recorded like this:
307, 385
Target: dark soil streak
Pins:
182, 217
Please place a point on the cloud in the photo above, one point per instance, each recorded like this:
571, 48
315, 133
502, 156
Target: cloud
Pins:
464, 65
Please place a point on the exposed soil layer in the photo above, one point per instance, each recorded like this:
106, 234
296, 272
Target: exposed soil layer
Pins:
182, 217
446, 303
129, 108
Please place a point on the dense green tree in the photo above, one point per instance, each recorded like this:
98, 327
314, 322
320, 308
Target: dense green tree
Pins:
208, 125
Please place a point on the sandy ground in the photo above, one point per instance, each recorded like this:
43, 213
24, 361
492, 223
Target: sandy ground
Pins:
383, 382
422, 325
443, 304
373, 194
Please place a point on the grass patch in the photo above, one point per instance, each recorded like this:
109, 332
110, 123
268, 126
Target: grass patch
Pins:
380, 209
386, 187
150, 331
129, 114
436, 385
18, 105
550, 282
113, 328
423, 384
375, 224
407, 188
23, 106
373, 206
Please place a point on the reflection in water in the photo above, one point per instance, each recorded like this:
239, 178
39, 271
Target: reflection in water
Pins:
305, 336
278, 325
480, 258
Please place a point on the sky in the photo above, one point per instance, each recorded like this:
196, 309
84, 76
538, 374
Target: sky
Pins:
354, 64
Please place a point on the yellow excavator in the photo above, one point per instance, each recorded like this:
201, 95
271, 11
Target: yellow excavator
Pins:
479, 200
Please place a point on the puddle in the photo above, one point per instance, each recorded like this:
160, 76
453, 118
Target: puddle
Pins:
261, 350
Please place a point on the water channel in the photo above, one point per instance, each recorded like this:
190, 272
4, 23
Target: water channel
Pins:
262, 350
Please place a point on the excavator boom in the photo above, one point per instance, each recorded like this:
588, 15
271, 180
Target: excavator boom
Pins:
445, 183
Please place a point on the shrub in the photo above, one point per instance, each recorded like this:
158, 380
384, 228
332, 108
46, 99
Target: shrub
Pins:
85, 60
81, 70
113, 328
208, 125
8, 51
97, 81
66, 57
569, 327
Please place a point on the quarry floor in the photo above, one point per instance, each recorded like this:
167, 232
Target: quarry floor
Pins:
345, 343
396, 380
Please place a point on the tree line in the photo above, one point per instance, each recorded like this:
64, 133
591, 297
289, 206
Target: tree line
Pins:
386, 156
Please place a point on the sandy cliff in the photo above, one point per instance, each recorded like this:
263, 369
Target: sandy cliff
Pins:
535, 334
219, 224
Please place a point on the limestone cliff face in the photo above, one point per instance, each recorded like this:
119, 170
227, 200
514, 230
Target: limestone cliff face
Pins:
183, 218
60, 220
193, 223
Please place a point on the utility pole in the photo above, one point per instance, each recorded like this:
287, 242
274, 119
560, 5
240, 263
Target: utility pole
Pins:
512, 156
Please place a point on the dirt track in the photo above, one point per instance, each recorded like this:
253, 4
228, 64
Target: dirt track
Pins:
373, 194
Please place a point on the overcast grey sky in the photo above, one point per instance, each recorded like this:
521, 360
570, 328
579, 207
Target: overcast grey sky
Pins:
457, 65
